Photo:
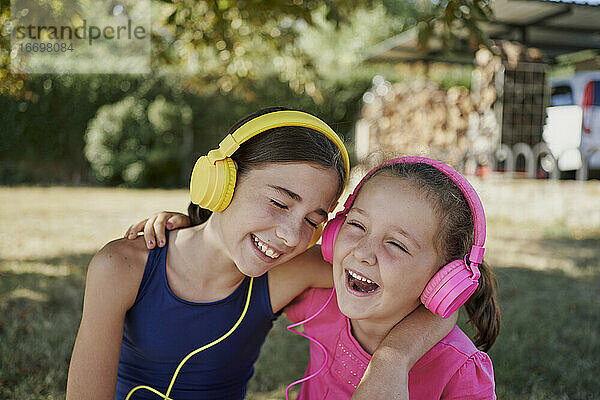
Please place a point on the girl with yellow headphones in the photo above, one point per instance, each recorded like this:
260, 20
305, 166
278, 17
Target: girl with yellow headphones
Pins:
263, 196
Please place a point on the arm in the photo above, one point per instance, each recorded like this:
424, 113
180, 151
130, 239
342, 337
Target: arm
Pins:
387, 373
289, 280
112, 282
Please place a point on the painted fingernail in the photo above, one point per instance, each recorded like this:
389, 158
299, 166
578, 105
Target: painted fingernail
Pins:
161, 242
150, 243
169, 225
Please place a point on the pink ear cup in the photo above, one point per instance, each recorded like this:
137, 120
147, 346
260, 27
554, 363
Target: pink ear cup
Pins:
330, 232
450, 288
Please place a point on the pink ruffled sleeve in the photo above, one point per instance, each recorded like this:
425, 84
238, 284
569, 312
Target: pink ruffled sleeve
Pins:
474, 380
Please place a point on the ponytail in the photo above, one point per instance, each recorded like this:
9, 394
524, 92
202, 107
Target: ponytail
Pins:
483, 309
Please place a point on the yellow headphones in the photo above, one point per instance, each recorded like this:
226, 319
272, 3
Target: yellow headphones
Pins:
214, 175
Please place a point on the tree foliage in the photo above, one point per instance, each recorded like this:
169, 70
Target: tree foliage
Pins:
454, 22
214, 61
138, 143
225, 44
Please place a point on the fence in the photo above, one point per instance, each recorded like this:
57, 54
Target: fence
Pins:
532, 160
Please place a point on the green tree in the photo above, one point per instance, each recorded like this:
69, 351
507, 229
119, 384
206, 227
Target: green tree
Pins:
138, 143
224, 44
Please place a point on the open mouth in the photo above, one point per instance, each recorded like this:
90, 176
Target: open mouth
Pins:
360, 285
264, 248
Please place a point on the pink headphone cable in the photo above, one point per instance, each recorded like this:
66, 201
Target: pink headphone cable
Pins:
289, 328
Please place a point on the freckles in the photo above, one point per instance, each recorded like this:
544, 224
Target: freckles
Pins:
266, 212
344, 237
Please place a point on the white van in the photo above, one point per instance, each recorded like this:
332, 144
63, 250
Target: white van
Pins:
573, 124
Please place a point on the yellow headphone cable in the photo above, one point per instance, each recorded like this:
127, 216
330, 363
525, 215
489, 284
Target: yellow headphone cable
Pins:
165, 396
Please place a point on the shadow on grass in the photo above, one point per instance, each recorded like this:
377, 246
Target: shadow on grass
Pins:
40, 304
550, 337
584, 253
78, 260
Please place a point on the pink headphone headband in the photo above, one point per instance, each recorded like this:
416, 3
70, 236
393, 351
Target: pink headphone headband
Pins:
476, 254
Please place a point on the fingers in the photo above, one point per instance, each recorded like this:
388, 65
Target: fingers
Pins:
134, 229
149, 237
178, 221
127, 234
159, 228
155, 226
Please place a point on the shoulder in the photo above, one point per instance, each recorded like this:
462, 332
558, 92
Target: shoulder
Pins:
118, 269
473, 380
458, 342
120, 257
470, 370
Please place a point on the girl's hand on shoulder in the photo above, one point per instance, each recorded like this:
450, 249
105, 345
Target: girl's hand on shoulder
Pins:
154, 227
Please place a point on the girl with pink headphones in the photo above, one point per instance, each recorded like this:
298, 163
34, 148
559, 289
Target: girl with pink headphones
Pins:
186, 320
412, 232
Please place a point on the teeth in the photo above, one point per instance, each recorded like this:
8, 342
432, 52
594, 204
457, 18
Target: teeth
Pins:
359, 277
265, 249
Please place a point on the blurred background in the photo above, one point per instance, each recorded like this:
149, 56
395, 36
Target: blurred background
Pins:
506, 91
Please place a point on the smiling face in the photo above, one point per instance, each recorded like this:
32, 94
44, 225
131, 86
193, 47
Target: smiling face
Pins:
274, 213
384, 254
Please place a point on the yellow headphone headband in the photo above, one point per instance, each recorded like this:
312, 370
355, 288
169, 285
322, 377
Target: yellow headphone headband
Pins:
214, 175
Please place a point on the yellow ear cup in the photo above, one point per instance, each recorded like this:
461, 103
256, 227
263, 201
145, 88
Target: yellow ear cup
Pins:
316, 236
214, 175
211, 186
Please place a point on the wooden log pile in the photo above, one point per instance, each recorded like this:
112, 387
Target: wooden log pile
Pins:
456, 126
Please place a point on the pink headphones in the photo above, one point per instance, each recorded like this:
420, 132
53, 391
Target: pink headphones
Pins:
453, 284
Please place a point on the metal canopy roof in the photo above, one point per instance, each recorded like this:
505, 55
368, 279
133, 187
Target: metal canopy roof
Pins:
555, 27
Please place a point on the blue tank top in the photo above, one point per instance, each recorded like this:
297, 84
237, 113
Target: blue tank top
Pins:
161, 329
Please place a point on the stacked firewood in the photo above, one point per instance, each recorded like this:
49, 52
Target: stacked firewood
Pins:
417, 118
421, 118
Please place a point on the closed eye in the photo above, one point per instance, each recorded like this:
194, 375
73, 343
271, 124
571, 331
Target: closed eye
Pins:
314, 225
356, 224
284, 207
399, 246
278, 204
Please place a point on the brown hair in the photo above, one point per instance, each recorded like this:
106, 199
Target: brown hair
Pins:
280, 145
454, 239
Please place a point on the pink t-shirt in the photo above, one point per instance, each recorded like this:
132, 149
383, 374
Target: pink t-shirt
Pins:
452, 369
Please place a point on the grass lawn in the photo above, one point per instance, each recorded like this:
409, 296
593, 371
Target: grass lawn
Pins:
548, 273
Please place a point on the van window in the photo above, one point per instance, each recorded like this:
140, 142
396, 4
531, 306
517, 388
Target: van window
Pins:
562, 96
